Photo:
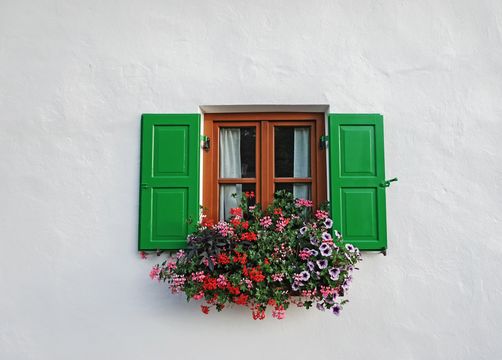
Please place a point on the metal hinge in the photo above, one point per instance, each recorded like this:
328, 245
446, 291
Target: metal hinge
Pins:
323, 142
205, 142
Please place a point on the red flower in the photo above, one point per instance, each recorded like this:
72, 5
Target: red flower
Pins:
249, 194
266, 262
256, 275
236, 212
241, 299
240, 258
205, 309
223, 259
234, 290
207, 222
277, 211
245, 225
209, 283
258, 314
250, 236
245, 271
271, 302
235, 221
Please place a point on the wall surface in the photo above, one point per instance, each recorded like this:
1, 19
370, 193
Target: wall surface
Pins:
74, 79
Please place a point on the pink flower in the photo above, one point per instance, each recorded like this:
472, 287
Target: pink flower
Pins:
198, 296
154, 273
277, 277
279, 312
303, 202
249, 283
221, 282
266, 221
180, 254
281, 224
171, 266
177, 283
304, 254
198, 276
143, 255
321, 214
224, 228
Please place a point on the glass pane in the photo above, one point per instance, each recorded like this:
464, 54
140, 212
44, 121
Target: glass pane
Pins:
238, 152
292, 151
299, 190
227, 201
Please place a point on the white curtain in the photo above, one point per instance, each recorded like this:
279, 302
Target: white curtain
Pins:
230, 167
301, 162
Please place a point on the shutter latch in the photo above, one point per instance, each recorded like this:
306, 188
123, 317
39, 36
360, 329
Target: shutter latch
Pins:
386, 183
323, 141
205, 142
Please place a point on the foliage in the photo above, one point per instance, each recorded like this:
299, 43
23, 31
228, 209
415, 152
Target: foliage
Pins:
275, 257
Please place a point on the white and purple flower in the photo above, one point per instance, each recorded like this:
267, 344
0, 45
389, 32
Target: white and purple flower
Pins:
325, 249
303, 230
336, 309
322, 264
350, 247
328, 223
326, 236
311, 266
314, 241
305, 275
338, 235
334, 273
320, 306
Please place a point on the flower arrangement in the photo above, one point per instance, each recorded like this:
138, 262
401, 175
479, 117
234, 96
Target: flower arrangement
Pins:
275, 257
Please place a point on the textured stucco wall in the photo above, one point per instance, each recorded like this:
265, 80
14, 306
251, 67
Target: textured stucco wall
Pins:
74, 79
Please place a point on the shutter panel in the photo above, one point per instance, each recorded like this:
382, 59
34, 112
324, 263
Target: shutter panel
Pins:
357, 173
169, 186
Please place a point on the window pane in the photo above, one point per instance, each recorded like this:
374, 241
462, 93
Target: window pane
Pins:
299, 190
292, 151
227, 201
238, 152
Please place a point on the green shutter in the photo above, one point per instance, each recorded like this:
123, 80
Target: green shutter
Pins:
357, 179
169, 185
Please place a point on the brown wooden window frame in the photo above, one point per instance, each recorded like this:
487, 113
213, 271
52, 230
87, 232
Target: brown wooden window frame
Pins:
265, 179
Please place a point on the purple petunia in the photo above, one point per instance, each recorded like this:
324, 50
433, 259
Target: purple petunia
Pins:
314, 241
325, 249
337, 234
303, 230
305, 275
336, 309
310, 265
334, 273
322, 264
295, 286
350, 247
326, 236
320, 306
328, 223
314, 252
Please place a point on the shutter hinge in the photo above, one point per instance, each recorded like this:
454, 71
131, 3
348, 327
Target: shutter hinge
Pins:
323, 141
205, 142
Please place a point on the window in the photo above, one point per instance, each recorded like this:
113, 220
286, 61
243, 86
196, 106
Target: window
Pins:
260, 152
263, 153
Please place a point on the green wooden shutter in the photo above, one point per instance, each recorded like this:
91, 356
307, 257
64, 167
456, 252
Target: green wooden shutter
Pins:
357, 175
169, 185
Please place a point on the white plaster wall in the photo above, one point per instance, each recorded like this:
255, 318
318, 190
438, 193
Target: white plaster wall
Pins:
74, 79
